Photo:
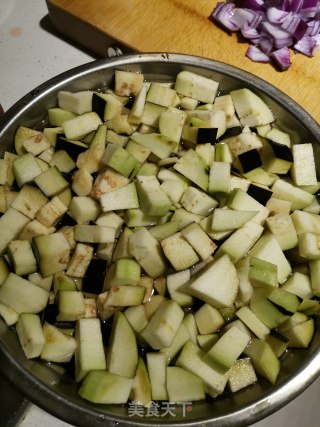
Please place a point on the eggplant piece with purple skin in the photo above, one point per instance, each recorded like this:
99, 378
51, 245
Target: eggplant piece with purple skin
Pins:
206, 135
262, 195
93, 280
281, 151
73, 148
250, 160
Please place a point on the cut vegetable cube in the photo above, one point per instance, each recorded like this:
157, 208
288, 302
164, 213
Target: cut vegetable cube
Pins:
241, 375
179, 252
29, 200
174, 281
119, 159
208, 319
125, 295
198, 202
107, 388
227, 349
8, 314
157, 368
286, 191
303, 169
79, 126
163, 325
262, 273
219, 177
84, 209
267, 312
122, 353
22, 257
264, 359
299, 284
71, 306
217, 283
30, 334
252, 321
193, 167
199, 240
78, 102
250, 108
171, 124
128, 83
282, 227
122, 198
184, 386
26, 168
94, 233
36, 144
300, 335
242, 201
268, 249
241, 241
147, 251
284, 299
195, 86
228, 219
58, 347
22, 295
51, 182
23, 133
80, 260
153, 200
159, 145
53, 252
52, 212
137, 317
33, 229
141, 388
82, 182
123, 272
179, 340
89, 354
57, 116
191, 359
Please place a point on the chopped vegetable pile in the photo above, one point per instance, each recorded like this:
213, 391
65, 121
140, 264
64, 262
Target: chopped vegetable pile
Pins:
272, 27
163, 237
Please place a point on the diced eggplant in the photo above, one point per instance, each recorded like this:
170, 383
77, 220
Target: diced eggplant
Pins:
57, 116
73, 148
262, 195
282, 151
250, 160
93, 281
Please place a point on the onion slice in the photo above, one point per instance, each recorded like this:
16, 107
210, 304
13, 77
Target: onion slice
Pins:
272, 27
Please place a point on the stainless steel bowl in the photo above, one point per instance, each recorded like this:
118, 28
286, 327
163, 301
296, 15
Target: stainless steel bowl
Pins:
54, 391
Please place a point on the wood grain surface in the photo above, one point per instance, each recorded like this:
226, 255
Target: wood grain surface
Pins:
180, 26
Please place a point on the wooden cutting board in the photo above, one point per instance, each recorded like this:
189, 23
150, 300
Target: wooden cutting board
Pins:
180, 26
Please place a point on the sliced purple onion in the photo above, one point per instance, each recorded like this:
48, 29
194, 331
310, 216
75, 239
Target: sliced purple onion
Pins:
222, 14
281, 58
295, 26
281, 37
266, 44
309, 8
256, 54
313, 28
305, 45
245, 18
316, 49
272, 26
275, 15
257, 5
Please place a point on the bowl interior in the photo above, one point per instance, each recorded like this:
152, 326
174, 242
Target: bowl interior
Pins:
51, 388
